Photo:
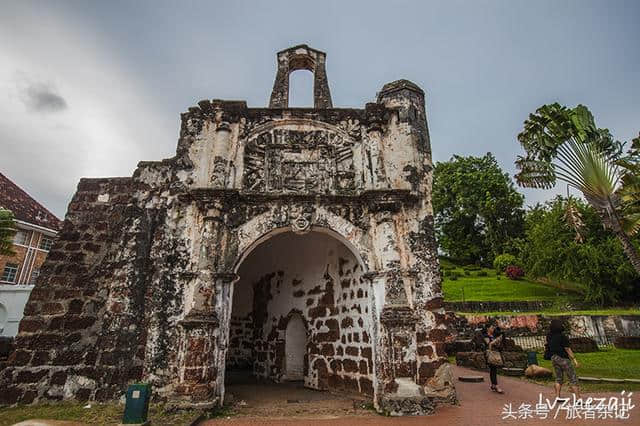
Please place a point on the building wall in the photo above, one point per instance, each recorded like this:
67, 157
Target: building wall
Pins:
29, 258
13, 299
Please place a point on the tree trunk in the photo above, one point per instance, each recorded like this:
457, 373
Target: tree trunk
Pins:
629, 249
627, 246
609, 216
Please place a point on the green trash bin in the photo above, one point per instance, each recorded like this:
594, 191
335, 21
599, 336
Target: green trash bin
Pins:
137, 404
532, 358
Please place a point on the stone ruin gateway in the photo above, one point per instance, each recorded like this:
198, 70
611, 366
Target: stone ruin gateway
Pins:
297, 243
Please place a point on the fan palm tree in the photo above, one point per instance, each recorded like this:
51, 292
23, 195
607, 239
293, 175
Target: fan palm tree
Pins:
629, 191
7, 230
564, 144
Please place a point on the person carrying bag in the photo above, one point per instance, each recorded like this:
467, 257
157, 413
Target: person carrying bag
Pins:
493, 339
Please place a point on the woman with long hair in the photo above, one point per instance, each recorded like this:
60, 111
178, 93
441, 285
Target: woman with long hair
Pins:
559, 350
492, 337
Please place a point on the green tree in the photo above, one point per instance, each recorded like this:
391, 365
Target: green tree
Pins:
550, 250
7, 231
565, 144
629, 192
477, 208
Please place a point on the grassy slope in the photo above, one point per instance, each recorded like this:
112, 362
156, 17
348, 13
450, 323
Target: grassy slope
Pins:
471, 287
502, 289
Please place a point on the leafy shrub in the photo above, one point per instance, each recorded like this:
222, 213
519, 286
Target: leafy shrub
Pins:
501, 262
467, 273
472, 268
481, 274
453, 275
550, 250
514, 272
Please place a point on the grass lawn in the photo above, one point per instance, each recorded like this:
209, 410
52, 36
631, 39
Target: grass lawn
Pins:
473, 286
609, 363
553, 312
100, 414
612, 363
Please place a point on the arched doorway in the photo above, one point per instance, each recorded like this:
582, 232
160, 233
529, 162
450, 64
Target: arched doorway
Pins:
302, 310
295, 345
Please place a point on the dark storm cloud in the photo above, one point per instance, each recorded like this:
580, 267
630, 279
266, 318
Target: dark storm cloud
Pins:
42, 97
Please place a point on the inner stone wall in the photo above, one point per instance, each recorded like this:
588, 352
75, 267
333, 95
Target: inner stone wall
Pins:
316, 276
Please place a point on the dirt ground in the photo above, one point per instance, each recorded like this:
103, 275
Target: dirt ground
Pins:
256, 404
291, 404
252, 399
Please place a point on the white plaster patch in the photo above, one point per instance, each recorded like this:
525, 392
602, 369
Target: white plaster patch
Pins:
74, 383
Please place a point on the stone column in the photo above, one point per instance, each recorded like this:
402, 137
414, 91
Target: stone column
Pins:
204, 337
397, 392
321, 93
204, 329
220, 156
374, 161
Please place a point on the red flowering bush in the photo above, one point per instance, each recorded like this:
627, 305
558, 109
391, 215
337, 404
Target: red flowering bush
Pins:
514, 272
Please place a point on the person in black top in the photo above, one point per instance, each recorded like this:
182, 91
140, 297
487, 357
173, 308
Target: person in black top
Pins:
490, 338
559, 348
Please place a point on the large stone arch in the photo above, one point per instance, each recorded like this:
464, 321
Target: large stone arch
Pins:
338, 309
281, 219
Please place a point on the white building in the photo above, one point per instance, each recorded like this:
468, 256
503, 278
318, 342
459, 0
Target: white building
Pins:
37, 229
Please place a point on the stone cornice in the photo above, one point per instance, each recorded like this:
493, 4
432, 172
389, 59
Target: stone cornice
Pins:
385, 199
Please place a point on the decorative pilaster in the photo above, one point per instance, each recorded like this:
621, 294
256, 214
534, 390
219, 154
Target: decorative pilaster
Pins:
373, 159
204, 340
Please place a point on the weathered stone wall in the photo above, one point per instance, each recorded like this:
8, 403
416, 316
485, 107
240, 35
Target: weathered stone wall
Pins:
240, 353
317, 277
538, 325
62, 336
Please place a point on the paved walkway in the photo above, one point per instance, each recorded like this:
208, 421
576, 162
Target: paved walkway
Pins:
478, 406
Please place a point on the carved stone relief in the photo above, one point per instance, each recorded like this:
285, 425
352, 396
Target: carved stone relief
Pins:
294, 161
298, 216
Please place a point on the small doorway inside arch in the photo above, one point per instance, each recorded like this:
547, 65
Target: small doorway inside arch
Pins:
295, 345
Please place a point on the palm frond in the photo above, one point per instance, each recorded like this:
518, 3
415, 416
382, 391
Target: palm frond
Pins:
535, 173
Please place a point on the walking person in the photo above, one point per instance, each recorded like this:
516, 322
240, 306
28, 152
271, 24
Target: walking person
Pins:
559, 351
490, 338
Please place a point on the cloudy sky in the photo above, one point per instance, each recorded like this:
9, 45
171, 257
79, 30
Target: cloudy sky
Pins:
91, 88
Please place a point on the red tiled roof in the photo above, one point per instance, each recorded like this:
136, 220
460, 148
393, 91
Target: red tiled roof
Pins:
24, 207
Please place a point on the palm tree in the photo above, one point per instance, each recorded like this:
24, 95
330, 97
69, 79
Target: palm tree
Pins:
629, 191
7, 230
564, 144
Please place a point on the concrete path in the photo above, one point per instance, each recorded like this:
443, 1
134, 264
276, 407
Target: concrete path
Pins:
478, 406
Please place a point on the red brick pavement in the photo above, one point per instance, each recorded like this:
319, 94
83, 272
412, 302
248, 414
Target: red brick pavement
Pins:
478, 406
